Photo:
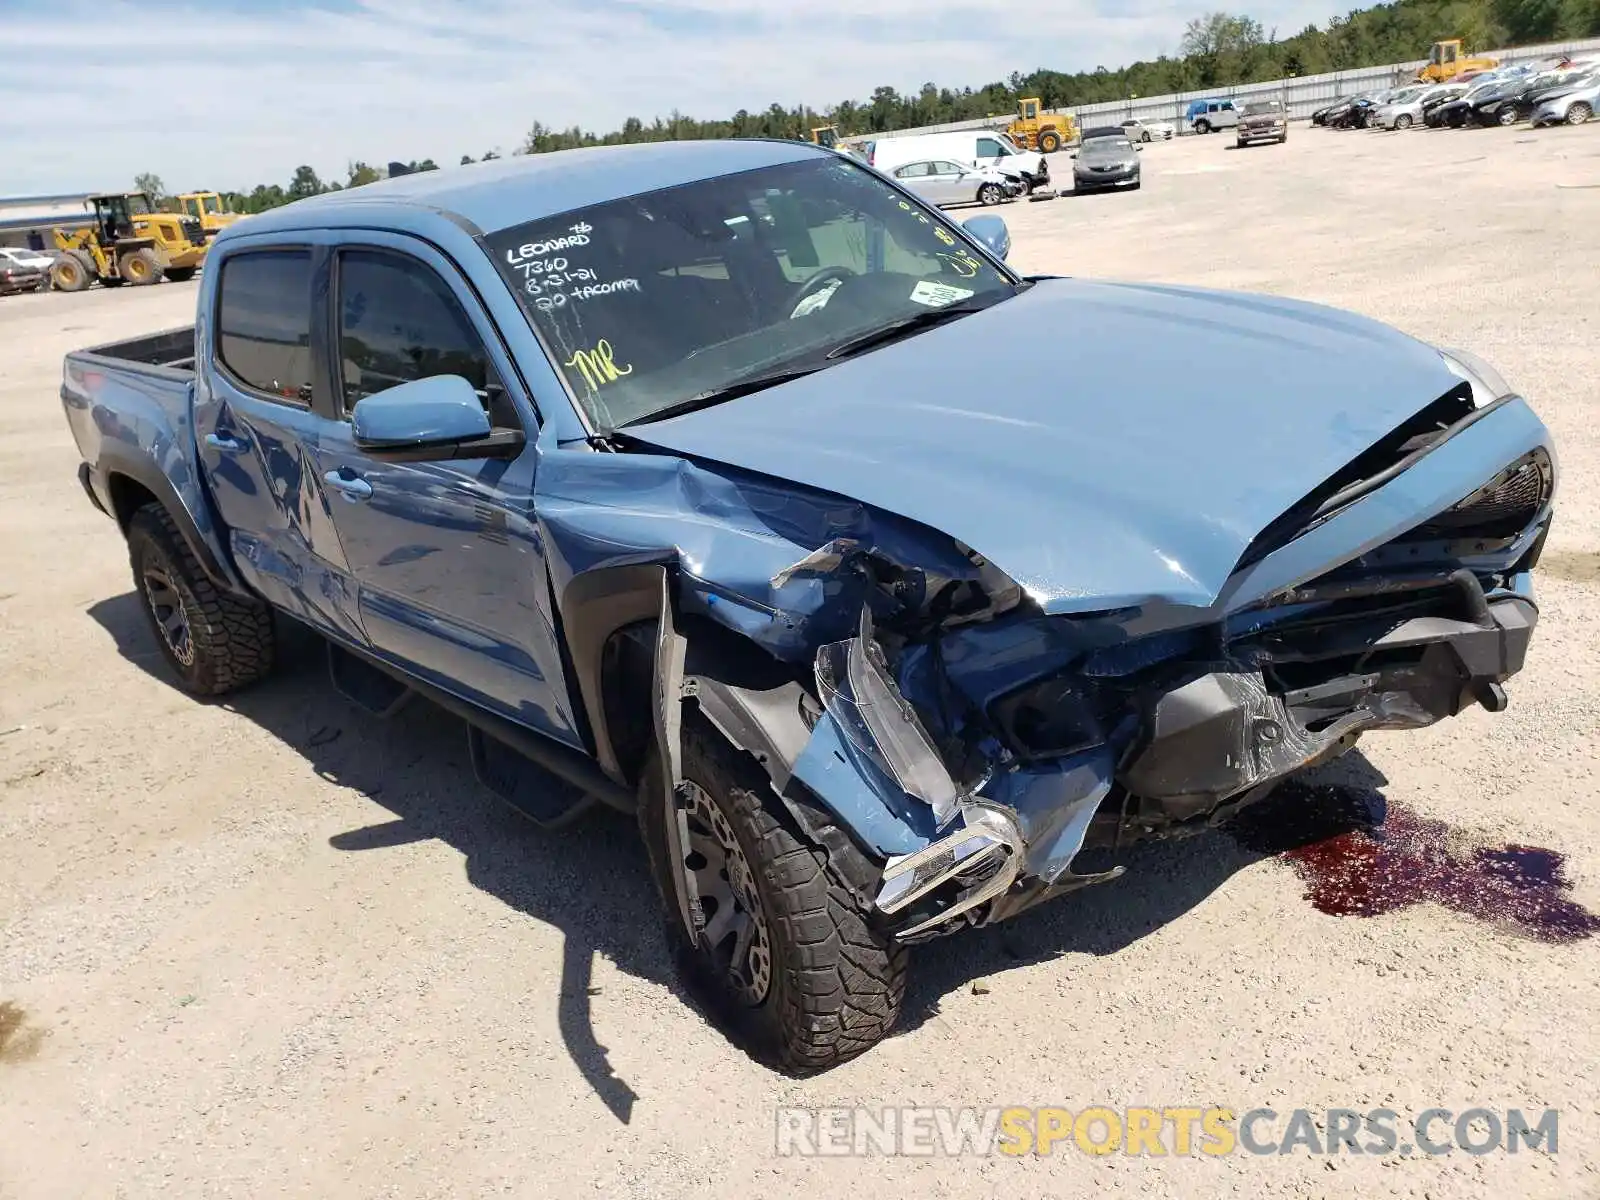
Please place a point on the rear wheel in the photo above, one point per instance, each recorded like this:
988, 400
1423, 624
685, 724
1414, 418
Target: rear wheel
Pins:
1579, 113
216, 643
180, 274
140, 267
70, 275
1049, 142
786, 960
1202, 126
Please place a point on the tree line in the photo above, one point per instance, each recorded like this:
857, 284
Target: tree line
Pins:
1218, 50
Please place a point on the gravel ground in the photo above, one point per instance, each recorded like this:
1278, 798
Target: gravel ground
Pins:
274, 947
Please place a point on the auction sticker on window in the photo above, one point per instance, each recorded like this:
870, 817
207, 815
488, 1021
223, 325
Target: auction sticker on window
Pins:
937, 295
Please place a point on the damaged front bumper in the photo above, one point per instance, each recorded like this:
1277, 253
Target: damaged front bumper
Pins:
1199, 741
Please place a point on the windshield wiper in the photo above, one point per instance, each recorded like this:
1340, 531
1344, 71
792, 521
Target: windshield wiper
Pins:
909, 325
758, 382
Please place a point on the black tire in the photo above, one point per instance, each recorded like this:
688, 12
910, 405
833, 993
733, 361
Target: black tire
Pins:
1145, 136
216, 643
991, 194
180, 274
1202, 126
1579, 113
1049, 142
140, 267
1506, 116
68, 274
834, 982
1403, 121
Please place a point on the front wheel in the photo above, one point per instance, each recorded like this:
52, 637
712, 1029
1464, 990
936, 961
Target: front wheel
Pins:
140, 267
991, 194
216, 643
180, 274
1506, 116
1579, 113
786, 959
70, 275
1403, 121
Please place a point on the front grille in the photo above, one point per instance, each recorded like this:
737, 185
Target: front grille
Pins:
193, 231
1501, 508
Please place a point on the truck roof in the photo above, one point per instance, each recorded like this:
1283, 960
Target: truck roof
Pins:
495, 195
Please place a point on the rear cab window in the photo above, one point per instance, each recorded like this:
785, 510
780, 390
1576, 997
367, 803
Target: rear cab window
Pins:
263, 323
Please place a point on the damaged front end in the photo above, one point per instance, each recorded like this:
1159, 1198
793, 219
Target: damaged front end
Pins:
1001, 749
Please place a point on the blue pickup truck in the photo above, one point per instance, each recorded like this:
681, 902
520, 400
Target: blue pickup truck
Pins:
730, 485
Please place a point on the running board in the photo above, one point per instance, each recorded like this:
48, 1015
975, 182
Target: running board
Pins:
545, 799
563, 766
364, 685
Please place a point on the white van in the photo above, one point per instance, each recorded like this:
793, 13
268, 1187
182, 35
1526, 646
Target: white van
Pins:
982, 147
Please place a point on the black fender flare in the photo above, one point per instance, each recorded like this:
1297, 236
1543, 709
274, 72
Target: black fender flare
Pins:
149, 477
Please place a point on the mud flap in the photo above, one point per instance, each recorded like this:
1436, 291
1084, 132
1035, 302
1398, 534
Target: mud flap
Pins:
671, 648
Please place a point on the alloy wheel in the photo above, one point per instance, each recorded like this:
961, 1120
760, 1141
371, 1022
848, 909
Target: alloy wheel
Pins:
735, 935
166, 605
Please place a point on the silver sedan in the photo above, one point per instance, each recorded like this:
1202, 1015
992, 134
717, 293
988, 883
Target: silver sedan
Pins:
942, 182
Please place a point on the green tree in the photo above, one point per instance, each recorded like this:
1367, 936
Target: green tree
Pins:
359, 173
305, 183
150, 184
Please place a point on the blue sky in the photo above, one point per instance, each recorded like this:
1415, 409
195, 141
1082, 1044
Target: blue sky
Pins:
229, 93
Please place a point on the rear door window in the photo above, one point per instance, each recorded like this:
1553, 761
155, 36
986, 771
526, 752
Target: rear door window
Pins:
264, 323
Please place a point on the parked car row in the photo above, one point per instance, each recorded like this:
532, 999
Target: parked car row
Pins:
1553, 92
24, 270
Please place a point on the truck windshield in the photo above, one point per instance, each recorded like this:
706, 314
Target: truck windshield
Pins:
667, 298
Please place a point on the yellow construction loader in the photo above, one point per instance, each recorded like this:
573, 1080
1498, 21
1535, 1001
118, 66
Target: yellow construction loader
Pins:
128, 242
210, 209
1041, 131
1446, 61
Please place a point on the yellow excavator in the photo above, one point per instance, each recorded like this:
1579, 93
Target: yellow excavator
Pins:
1446, 61
128, 242
825, 135
210, 209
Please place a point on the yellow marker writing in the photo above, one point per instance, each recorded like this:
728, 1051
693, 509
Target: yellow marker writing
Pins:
962, 264
943, 236
598, 365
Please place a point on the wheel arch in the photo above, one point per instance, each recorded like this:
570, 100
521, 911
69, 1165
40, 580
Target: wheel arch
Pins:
130, 486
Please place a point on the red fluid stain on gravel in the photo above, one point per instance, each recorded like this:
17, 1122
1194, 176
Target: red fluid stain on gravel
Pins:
1389, 863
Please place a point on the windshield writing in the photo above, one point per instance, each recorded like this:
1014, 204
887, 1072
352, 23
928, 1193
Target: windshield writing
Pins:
654, 300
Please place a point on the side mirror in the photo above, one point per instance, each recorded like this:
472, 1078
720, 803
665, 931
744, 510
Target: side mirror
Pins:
992, 232
435, 418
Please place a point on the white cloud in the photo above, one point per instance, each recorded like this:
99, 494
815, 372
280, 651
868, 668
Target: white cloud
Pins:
211, 96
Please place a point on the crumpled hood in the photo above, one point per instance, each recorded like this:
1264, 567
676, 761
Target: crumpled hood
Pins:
1103, 444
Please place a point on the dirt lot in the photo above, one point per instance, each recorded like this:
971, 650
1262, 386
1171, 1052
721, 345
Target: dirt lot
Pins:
275, 947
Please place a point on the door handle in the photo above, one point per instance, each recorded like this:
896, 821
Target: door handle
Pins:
351, 487
221, 441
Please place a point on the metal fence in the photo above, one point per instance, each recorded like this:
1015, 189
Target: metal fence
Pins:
1301, 96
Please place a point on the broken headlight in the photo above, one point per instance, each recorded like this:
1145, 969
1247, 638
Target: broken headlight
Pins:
855, 685
1051, 719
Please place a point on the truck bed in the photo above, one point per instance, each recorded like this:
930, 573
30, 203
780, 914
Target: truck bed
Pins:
170, 352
